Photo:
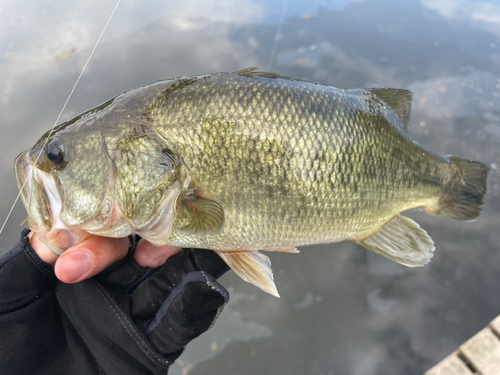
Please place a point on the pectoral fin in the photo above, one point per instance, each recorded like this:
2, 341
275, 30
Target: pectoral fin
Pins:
207, 217
253, 267
401, 240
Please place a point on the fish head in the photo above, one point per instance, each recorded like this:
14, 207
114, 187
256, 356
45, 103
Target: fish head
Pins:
98, 174
67, 186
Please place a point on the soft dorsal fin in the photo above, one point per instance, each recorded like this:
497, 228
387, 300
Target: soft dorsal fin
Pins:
252, 72
401, 240
397, 99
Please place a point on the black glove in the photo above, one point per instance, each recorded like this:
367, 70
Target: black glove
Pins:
137, 320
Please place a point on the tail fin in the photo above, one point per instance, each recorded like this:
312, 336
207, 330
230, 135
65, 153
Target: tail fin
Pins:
462, 199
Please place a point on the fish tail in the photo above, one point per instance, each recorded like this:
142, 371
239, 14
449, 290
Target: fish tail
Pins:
462, 197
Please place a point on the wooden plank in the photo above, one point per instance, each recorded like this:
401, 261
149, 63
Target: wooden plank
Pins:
483, 352
451, 365
495, 325
480, 355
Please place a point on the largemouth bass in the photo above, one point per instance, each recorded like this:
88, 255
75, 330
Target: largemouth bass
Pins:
241, 162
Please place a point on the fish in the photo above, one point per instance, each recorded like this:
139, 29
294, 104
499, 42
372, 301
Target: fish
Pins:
245, 162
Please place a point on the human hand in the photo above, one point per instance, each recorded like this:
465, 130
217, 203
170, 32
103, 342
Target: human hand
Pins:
126, 319
138, 320
96, 253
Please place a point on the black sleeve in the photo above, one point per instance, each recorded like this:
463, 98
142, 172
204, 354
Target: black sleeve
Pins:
35, 337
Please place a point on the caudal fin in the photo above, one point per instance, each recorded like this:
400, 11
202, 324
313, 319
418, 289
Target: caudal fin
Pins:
462, 199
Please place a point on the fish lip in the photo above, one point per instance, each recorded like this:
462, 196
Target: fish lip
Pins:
23, 170
28, 176
59, 236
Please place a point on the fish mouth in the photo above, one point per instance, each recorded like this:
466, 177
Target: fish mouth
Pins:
42, 200
39, 195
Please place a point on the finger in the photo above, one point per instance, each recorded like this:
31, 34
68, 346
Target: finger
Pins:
90, 257
126, 274
129, 273
41, 249
149, 255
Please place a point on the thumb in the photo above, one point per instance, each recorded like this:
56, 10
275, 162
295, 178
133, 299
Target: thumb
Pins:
90, 257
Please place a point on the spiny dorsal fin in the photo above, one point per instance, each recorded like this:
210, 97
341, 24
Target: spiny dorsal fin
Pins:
207, 217
397, 99
252, 72
401, 240
253, 267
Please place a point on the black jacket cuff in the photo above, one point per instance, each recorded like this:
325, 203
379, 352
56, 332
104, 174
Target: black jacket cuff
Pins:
23, 275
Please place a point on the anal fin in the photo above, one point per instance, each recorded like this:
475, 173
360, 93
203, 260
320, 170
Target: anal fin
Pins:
253, 267
401, 240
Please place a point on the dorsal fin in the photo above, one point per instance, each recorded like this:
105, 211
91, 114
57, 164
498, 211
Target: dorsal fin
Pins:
252, 72
397, 99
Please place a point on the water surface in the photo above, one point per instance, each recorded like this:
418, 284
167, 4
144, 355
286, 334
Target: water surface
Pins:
342, 309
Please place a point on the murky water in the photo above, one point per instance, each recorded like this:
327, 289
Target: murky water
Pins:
342, 310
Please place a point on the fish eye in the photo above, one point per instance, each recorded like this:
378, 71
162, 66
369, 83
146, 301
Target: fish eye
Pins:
55, 152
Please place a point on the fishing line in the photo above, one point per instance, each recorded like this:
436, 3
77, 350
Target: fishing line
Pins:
275, 44
60, 114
